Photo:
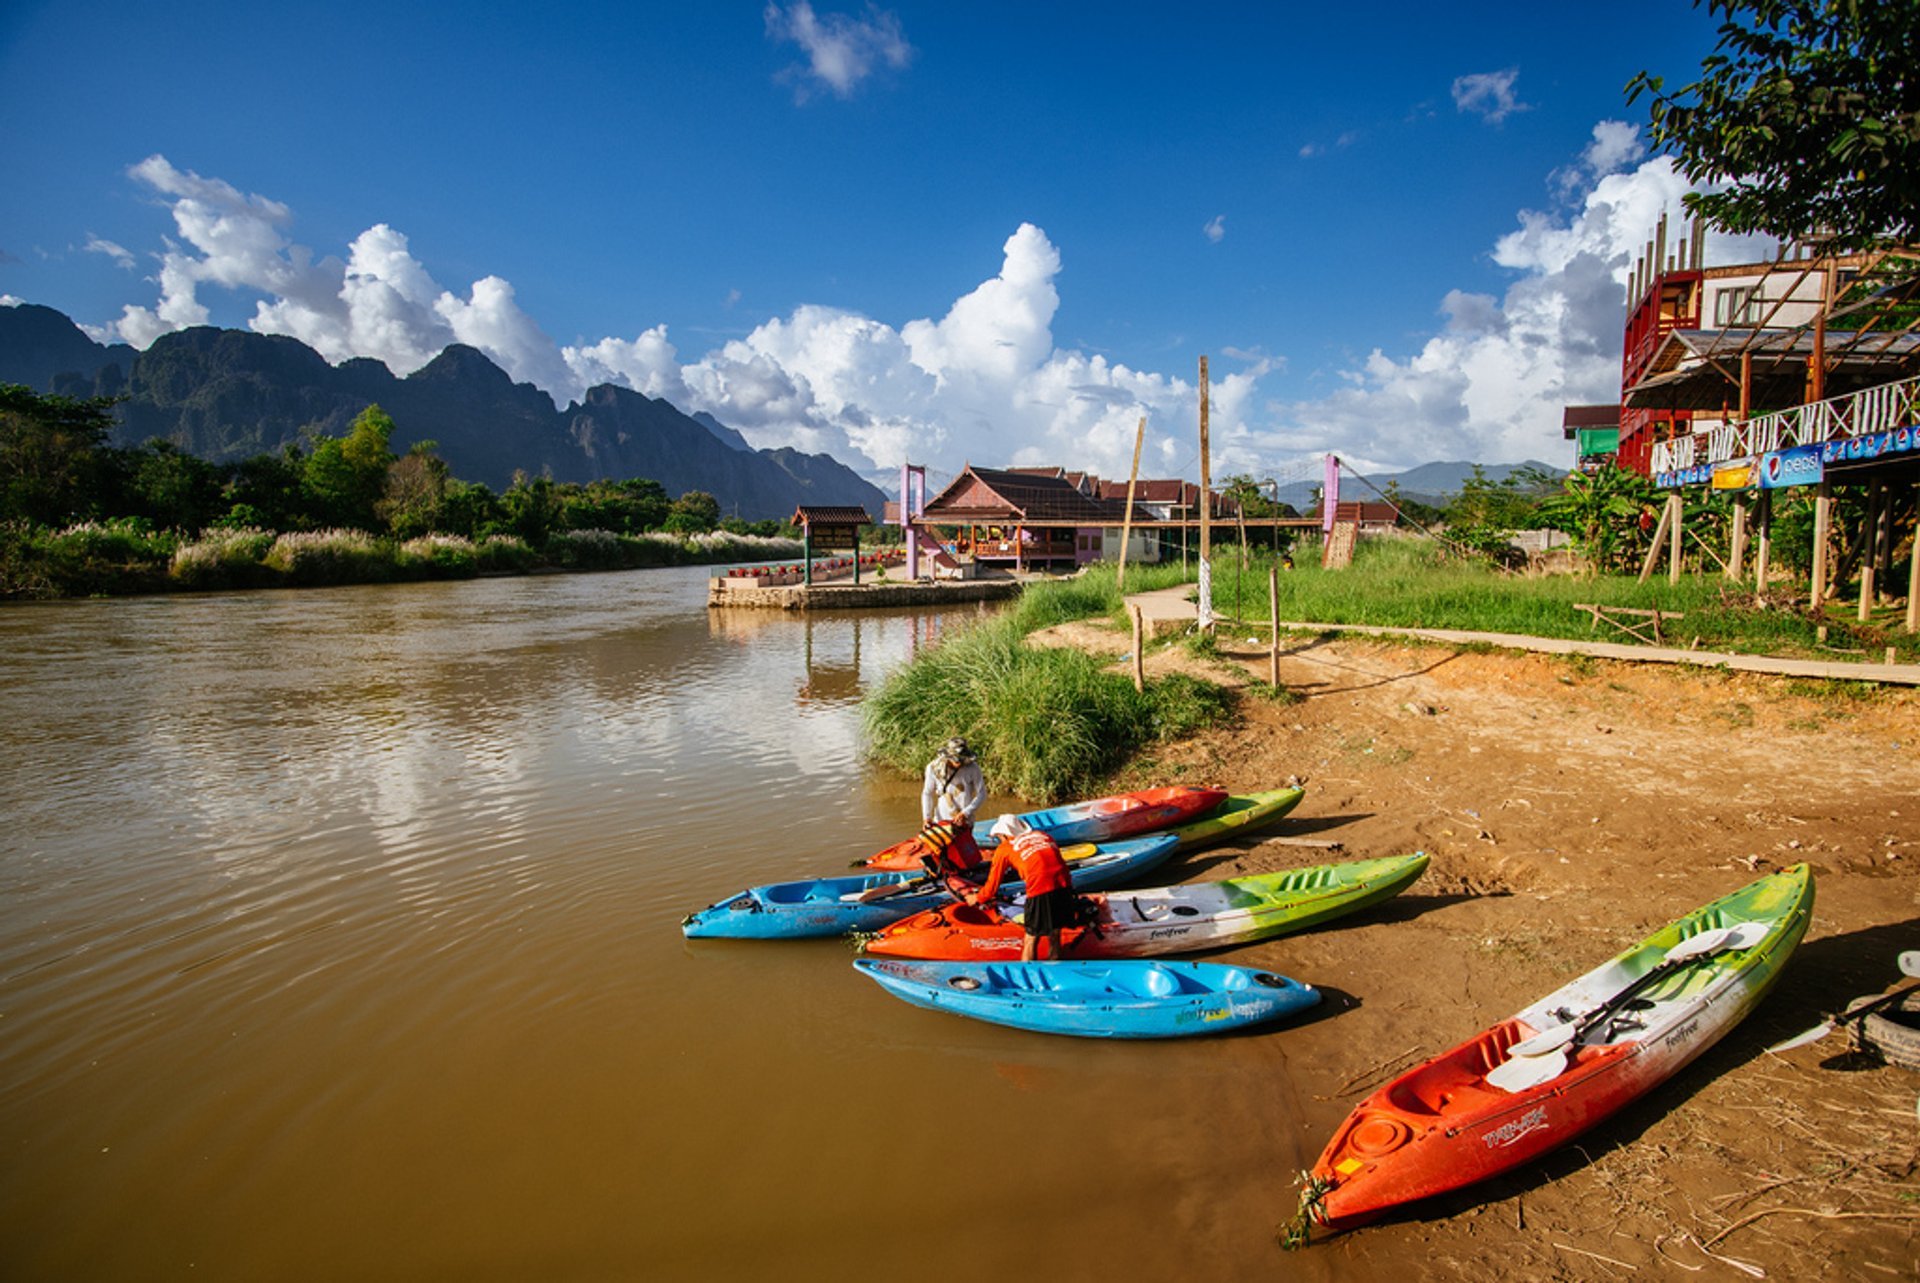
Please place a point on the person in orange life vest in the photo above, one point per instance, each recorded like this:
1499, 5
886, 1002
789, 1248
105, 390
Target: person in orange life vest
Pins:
949, 855
1049, 887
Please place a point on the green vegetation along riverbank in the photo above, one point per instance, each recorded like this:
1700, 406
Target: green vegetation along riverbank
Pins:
1047, 724
79, 517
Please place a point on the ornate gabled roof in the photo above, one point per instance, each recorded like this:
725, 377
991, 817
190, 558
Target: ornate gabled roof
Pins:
807, 514
1000, 496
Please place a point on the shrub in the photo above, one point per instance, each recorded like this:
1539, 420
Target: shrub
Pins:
505, 554
223, 558
440, 557
331, 557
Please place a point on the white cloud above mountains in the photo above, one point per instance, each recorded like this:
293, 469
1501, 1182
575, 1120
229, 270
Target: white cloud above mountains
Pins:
985, 381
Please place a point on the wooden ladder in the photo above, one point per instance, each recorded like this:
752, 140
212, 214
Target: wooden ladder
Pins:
1339, 550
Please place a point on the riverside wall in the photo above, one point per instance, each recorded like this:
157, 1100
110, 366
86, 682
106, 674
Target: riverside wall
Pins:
722, 595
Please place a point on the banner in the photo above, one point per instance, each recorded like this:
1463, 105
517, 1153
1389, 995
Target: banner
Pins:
1799, 466
1737, 474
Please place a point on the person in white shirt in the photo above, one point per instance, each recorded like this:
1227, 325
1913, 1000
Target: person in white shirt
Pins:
952, 787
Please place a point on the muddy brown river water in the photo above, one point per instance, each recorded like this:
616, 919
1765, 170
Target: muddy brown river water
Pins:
339, 940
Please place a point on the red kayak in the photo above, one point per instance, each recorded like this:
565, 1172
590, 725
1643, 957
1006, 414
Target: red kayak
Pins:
1104, 819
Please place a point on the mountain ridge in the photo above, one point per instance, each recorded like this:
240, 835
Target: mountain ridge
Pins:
228, 395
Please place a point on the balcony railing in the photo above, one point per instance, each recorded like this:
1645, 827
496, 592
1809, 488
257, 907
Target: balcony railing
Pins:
1857, 414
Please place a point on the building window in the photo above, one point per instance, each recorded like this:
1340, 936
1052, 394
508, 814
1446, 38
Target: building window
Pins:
1739, 305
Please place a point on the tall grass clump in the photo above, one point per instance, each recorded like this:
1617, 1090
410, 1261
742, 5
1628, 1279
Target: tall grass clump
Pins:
228, 557
126, 555
312, 557
440, 557
1046, 723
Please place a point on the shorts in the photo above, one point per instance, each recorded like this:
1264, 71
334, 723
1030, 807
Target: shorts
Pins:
1049, 912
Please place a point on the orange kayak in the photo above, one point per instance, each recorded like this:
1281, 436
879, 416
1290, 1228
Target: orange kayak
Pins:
1104, 819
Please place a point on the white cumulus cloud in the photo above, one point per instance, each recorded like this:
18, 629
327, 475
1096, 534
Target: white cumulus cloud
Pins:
983, 380
1216, 228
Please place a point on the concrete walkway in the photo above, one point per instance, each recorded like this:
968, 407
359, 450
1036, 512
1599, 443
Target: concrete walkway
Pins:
1168, 611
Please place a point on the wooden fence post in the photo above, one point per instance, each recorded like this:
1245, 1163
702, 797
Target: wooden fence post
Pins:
1139, 651
1273, 612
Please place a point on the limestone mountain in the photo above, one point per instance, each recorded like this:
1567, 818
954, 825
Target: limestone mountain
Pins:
230, 394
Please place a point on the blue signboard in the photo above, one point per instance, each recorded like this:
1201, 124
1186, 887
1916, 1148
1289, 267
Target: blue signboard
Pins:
1802, 465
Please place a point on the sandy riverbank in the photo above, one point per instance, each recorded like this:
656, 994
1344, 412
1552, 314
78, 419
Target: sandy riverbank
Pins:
1570, 806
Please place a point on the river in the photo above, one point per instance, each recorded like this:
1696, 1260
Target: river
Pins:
339, 940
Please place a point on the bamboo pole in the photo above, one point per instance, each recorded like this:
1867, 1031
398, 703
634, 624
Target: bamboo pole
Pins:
1126, 526
1870, 552
1139, 650
1738, 552
1913, 573
1822, 533
1206, 471
1763, 556
1273, 621
1659, 536
1674, 536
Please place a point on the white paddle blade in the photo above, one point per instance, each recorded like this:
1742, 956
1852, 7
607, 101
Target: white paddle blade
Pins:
1910, 963
1548, 1040
1814, 1034
1743, 935
1523, 1072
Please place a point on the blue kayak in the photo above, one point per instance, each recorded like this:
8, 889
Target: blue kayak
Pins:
1124, 998
833, 906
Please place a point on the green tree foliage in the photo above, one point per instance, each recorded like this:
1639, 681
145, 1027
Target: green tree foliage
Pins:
1486, 512
1600, 513
416, 489
1809, 112
624, 507
530, 509
265, 492
165, 485
693, 513
346, 477
472, 509
50, 453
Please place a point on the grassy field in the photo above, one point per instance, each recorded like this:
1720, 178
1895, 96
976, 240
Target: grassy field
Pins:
1408, 583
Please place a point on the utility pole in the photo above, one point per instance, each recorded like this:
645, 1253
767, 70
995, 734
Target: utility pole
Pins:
1206, 508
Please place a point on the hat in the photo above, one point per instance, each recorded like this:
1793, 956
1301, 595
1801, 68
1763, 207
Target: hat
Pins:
956, 748
1008, 826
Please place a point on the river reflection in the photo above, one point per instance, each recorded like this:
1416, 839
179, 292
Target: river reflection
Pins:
338, 939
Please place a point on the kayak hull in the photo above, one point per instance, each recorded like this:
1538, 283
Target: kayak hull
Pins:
1181, 919
1105, 819
1123, 999
818, 907
1442, 1126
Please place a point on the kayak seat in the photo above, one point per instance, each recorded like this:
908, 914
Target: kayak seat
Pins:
1457, 1082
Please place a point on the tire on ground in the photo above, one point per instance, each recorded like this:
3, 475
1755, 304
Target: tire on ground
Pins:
1894, 1032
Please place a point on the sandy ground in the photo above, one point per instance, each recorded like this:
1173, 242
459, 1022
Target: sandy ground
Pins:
1570, 806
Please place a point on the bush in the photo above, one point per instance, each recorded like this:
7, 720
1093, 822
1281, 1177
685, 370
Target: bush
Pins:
332, 557
223, 558
505, 554
440, 557
1046, 723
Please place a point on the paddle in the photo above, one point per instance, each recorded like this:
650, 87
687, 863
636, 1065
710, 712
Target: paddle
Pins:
1909, 966
1542, 1058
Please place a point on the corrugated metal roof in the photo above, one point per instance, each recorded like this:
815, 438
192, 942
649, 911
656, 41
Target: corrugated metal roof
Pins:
1700, 369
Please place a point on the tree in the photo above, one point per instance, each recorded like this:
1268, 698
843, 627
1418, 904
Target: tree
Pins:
169, 487
345, 477
1599, 512
49, 451
693, 513
1809, 111
416, 487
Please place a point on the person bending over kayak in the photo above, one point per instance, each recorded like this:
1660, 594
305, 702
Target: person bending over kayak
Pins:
952, 786
1049, 888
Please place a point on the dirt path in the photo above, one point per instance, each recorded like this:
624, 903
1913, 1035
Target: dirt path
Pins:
1570, 806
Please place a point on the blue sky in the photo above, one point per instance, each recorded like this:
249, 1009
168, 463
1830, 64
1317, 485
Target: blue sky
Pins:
986, 232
